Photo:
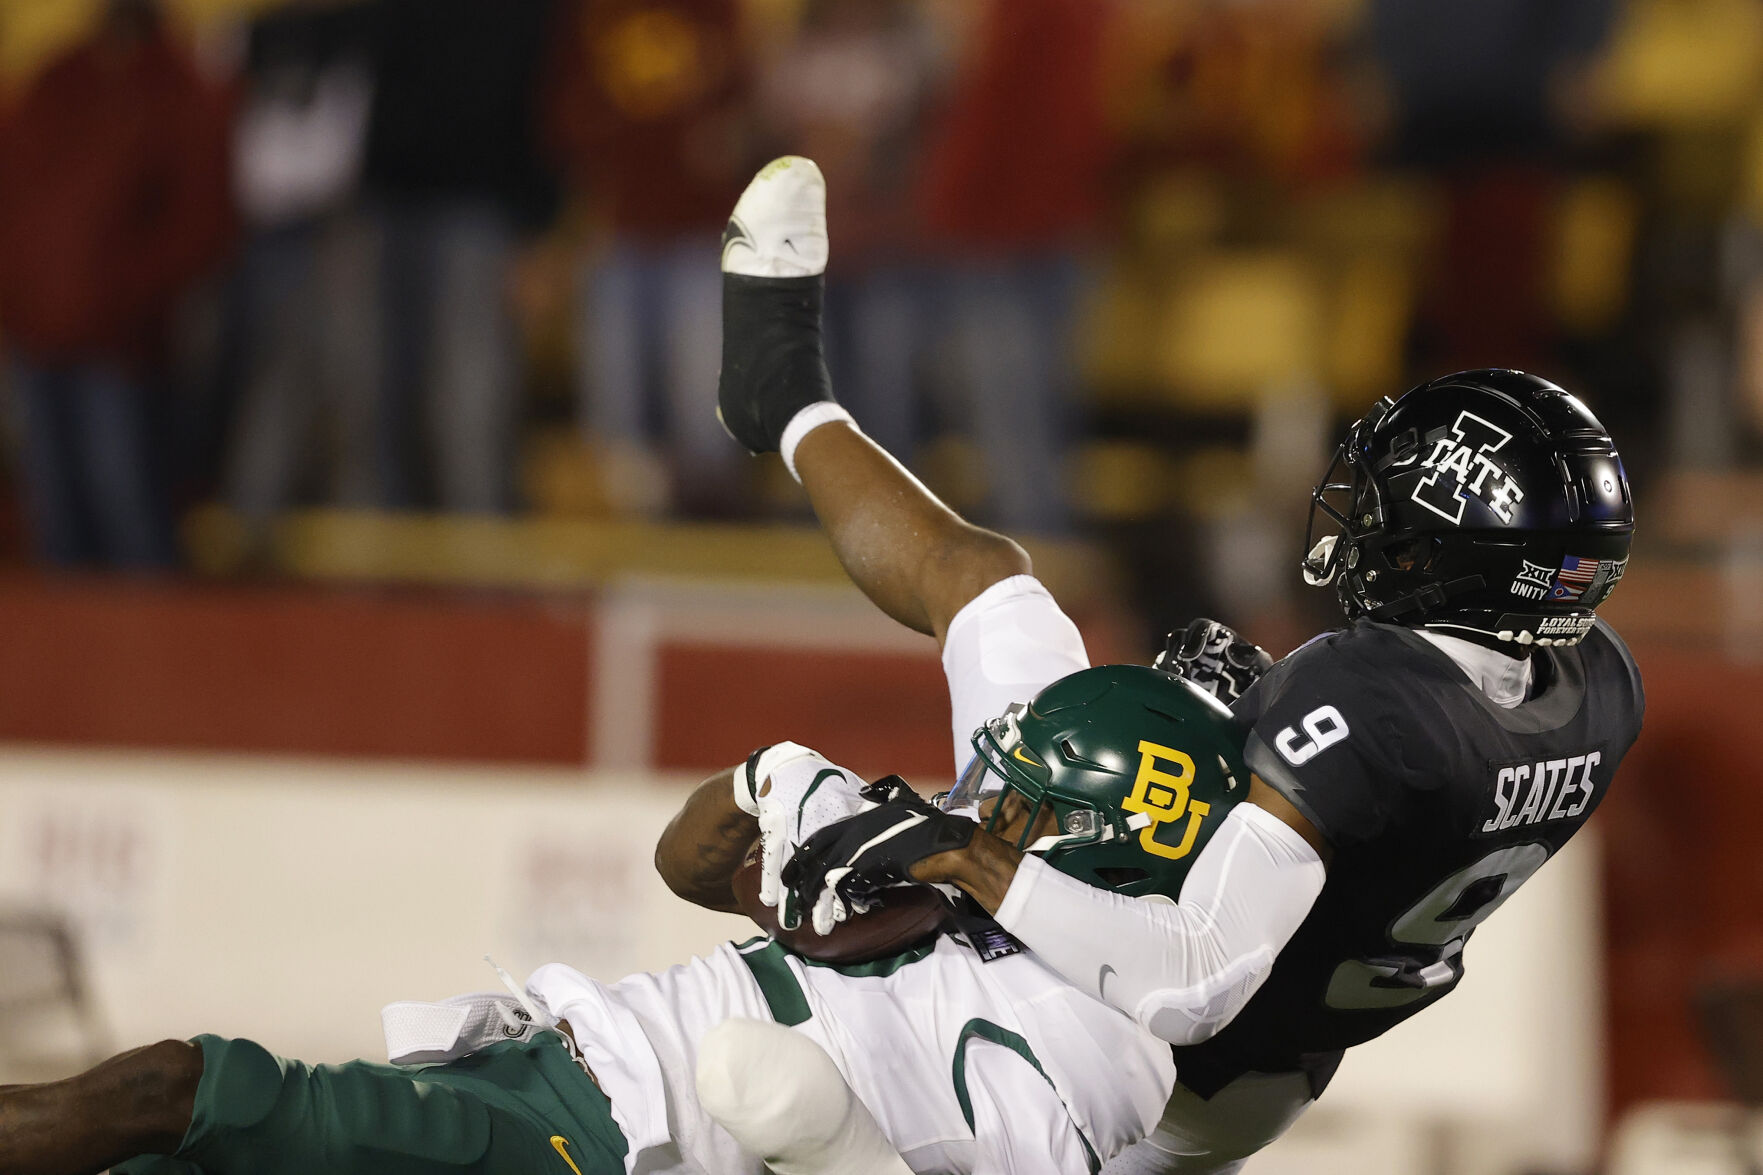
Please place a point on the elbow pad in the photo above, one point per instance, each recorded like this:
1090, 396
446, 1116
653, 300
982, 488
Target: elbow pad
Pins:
1183, 969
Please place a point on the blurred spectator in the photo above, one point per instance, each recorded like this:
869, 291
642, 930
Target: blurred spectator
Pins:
1478, 79
456, 184
299, 144
1251, 89
1482, 93
648, 115
852, 91
113, 201
1011, 193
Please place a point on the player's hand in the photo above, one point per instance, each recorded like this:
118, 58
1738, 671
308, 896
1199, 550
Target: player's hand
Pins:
845, 866
795, 792
1212, 656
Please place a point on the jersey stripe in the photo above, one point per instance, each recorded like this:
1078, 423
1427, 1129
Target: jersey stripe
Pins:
986, 1030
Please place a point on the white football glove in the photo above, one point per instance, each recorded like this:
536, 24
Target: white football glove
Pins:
795, 792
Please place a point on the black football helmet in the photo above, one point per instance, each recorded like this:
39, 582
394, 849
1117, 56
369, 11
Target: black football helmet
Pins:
1489, 505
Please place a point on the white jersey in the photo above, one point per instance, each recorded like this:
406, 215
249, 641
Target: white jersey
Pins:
940, 1047
1000, 1068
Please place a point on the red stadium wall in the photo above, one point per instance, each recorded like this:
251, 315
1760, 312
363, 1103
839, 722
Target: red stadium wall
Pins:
410, 673
292, 670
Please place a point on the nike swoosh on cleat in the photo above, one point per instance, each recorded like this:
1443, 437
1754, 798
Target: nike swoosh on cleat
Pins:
735, 234
561, 1144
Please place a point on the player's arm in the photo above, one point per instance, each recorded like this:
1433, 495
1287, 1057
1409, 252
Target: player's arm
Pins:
987, 866
1183, 970
705, 843
781, 795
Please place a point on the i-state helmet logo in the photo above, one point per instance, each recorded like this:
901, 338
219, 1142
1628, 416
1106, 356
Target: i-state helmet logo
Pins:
1464, 465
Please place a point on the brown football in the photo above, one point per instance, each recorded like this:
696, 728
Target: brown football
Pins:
905, 917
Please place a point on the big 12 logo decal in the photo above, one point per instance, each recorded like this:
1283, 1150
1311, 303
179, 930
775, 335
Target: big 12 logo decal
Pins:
1463, 464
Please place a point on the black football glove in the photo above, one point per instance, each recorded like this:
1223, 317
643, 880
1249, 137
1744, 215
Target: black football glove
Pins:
845, 866
1212, 656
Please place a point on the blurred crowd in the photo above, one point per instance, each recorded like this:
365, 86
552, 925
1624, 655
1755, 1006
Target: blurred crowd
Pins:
1118, 266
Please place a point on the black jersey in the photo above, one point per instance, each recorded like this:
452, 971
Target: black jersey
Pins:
1437, 803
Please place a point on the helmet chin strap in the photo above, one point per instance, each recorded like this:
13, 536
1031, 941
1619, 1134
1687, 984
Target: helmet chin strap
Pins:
1430, 596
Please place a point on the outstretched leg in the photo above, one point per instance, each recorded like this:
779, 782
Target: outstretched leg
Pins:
914, 557
140, 1102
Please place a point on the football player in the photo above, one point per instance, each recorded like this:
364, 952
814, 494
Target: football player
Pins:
1409, 771
958, 1053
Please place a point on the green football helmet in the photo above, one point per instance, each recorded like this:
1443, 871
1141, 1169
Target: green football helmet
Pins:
1138, 767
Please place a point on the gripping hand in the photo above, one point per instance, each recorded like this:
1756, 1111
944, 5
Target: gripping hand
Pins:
1212, 656
845, 866
794, 792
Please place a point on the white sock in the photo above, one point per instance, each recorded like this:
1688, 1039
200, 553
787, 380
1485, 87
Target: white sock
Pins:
805, 422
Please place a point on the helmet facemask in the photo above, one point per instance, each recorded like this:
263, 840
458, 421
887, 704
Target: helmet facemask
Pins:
995, 774
1349, 499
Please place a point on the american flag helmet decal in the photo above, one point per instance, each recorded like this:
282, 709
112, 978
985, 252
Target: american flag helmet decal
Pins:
1574, 578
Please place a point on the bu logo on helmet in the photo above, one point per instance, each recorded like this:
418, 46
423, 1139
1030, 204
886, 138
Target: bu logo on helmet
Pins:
1462, 464
1164, 797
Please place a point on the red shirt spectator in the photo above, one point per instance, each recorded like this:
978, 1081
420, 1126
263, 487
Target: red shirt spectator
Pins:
113, 195
647, 111
1021, 158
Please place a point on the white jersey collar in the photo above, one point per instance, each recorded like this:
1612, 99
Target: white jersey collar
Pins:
1505, 680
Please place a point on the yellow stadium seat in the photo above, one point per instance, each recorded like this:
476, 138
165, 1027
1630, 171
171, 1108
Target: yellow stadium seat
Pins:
1238, 325
1385, 214
1753, 165
1594, 244
1179, 210
1121, 481
1118, 332
1684, 62
1372, 308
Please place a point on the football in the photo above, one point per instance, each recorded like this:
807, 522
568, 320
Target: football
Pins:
906, 916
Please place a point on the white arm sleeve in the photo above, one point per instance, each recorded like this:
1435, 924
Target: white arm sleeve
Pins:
1003, 647
1182, 970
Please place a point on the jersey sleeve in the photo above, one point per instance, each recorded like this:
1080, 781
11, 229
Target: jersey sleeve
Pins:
1324, 738
1181, 969
1003, 648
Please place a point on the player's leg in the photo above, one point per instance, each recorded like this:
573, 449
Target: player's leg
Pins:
512, 1109
135, 1103
912, 555
785, 1101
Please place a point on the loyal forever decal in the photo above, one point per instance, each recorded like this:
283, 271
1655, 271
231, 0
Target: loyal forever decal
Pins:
1463, 466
